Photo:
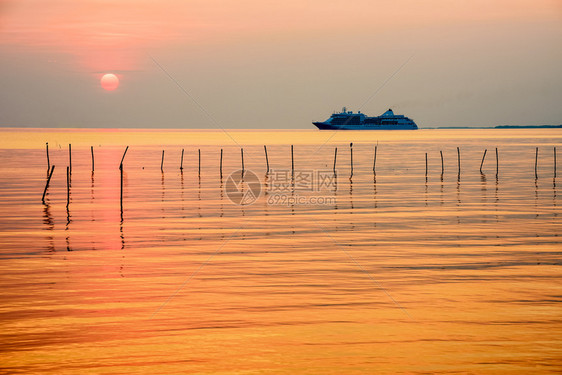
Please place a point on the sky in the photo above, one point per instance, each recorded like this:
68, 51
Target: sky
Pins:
260, 64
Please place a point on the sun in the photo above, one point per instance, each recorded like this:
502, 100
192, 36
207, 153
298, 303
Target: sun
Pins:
109, 81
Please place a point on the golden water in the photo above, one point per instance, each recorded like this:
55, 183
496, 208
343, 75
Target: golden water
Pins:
398, 273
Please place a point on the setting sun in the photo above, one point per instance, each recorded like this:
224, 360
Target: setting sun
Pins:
109, 82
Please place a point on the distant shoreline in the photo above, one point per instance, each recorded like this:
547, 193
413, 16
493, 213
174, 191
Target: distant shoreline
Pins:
500, 127
526, 126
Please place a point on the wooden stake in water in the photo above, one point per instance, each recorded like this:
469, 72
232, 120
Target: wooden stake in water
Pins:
67, 186
162, 162
554, 161
335, 157
70, 157
497, 162
123, 158
292, 161
426, 164
459, 160
220, 167
47, 184
375, 161
266, 159
482, 162
351, 160
199, 164
442, 164
242, 156
536, 161
48, 161
181, 162
121, 196
92, 152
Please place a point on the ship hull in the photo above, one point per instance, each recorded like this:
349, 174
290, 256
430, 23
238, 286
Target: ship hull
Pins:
324, 126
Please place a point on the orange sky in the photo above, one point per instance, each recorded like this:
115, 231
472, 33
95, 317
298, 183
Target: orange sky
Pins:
262, 57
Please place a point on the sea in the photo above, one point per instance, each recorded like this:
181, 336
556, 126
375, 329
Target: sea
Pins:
353, 252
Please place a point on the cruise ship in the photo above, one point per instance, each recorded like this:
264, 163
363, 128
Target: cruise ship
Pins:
347, 120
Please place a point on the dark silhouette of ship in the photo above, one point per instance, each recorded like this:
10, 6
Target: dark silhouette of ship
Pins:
347, 120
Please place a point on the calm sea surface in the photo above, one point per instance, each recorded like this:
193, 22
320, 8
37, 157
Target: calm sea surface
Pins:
322, 274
